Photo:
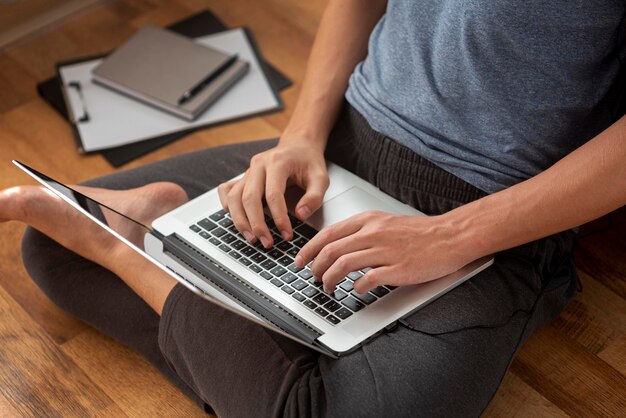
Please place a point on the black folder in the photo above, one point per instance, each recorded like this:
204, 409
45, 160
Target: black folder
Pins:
200, 24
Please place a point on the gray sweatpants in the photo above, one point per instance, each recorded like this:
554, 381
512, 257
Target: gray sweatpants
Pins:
447, 360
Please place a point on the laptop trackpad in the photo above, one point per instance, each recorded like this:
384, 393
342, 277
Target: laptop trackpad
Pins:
351, 202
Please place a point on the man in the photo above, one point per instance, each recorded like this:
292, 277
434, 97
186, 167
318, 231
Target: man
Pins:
494, 118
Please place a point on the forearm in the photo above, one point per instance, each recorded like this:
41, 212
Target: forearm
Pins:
340, 43
586, 184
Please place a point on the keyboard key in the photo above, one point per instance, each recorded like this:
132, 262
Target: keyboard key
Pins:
295, 269
277, 239
310, 291
333, 319
218, 232
224, 248
215, 241
218, 215
196, 228
288, 278
258, 257
343, 313
321, 299
295, 222
309, 304
353, 304
366, 269
255, 268
228, 238
347, 285
278, 271
276, 282
293, 252
226, 223
321, 312
380, 291
275, 253
266, 275
238, 245
299, 284
248, 251
390, 287
332, 306
366, 298
355, 275
305, 274
245, 261
285, 260
300, 242
268, 264
207, 224
306, 231
205, 235
287, 289
283, 246
298, 297
339, 294
234, 254
314, 282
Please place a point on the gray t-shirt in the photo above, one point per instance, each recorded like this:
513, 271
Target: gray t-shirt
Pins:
491, 91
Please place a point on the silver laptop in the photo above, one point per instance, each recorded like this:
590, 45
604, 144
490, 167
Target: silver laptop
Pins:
198, 245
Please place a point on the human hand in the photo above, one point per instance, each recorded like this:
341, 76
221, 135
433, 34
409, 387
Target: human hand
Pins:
401, 250
294, 161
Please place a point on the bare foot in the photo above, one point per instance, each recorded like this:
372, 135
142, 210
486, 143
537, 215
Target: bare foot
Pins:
49, 214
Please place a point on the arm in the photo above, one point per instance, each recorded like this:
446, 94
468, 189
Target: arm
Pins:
584, 185
341, 42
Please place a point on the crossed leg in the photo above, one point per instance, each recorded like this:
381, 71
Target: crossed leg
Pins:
448, 360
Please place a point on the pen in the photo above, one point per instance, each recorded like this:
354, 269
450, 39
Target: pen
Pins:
192, 92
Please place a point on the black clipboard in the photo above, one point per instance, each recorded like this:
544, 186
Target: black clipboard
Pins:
200, 24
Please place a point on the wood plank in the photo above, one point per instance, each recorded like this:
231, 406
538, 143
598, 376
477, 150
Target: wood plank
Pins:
127, 378
614, 354
563, 372
602, 255
36, 377
16, 83
595, 318
21, 19
516, 399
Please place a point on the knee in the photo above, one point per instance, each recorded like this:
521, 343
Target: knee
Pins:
50, 265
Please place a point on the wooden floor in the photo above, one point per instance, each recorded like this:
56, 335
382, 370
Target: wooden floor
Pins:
52, 364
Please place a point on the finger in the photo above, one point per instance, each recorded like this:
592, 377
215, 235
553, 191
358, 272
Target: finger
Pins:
315, 187
331, 252
222, 192
348, 263
275, 184
252, 200
376, 277
326, 236
237, 212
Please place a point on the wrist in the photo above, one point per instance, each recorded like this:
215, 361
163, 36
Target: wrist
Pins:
466, 237
304, 137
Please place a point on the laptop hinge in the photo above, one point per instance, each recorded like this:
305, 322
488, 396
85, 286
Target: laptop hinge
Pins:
238, 289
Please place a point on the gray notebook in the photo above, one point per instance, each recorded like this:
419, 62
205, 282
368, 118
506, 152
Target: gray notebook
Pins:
170, 71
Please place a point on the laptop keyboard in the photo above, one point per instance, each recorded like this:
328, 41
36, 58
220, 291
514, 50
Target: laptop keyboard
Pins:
276, 265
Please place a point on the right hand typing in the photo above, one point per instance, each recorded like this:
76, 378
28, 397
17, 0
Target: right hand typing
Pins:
294, 162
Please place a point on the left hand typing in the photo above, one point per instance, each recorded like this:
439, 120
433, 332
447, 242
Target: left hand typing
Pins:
401, 250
